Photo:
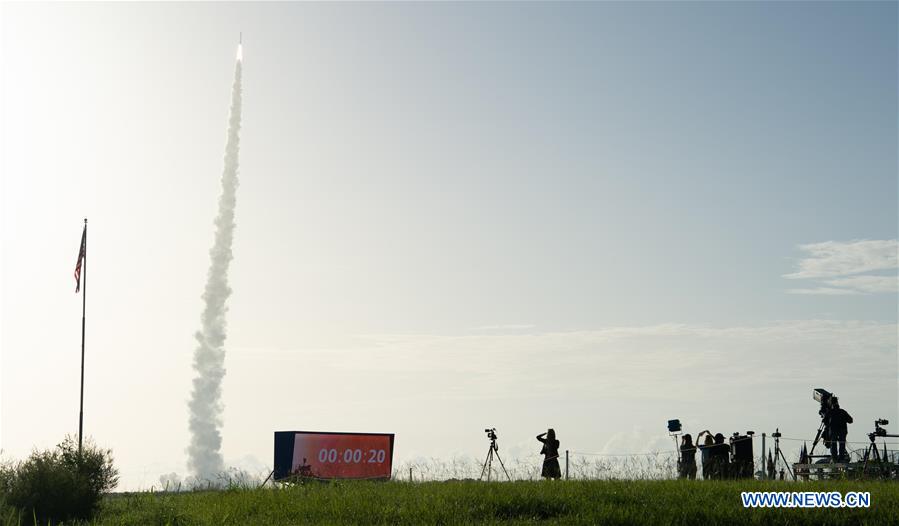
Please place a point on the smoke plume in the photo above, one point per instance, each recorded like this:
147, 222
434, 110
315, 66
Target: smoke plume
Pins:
204, 453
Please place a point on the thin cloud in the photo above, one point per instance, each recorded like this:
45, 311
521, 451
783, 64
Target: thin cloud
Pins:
845, 268
825, 291
869, 284
836, 258
503, 328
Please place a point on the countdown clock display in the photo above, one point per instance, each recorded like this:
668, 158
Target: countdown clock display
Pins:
330, 455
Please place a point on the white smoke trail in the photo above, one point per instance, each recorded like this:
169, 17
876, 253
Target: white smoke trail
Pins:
204, 453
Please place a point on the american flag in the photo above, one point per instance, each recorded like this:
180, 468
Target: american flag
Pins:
81, 255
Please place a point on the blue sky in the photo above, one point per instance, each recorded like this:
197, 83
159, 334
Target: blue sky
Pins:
536, 189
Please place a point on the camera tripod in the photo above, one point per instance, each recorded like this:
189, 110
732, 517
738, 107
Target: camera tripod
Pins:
779, 455
818, 436
488, 462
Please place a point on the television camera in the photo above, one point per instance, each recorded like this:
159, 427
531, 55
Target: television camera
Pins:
879, 431
825, 398
491, 434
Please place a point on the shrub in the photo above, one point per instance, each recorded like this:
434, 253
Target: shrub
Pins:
60, 484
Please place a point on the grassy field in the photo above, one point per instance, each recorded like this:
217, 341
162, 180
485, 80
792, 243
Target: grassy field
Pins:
573, 502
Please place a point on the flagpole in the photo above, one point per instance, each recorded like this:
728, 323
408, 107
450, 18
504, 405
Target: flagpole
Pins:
83, 312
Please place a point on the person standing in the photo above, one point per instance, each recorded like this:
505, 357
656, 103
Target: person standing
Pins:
550, 454
687, 458
706, 453
837, 420
720, 458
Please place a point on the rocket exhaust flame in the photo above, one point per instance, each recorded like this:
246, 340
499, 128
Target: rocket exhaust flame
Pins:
204, 452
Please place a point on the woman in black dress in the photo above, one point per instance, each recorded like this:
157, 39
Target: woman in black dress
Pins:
550, 454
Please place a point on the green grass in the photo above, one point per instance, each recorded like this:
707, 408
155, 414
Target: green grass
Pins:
574, 502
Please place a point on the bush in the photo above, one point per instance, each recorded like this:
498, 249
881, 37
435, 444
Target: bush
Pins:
61, 484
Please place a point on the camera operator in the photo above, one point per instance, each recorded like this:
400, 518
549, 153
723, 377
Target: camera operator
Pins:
550, 454
835, 421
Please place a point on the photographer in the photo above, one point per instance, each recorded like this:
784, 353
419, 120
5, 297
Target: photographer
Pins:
550, 454
835, 421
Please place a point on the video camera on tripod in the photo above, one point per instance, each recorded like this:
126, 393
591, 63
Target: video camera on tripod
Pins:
492, 451
872, 453
879, 431
491, 434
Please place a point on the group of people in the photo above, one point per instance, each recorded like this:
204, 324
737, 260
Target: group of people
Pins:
715, 456
714, 451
